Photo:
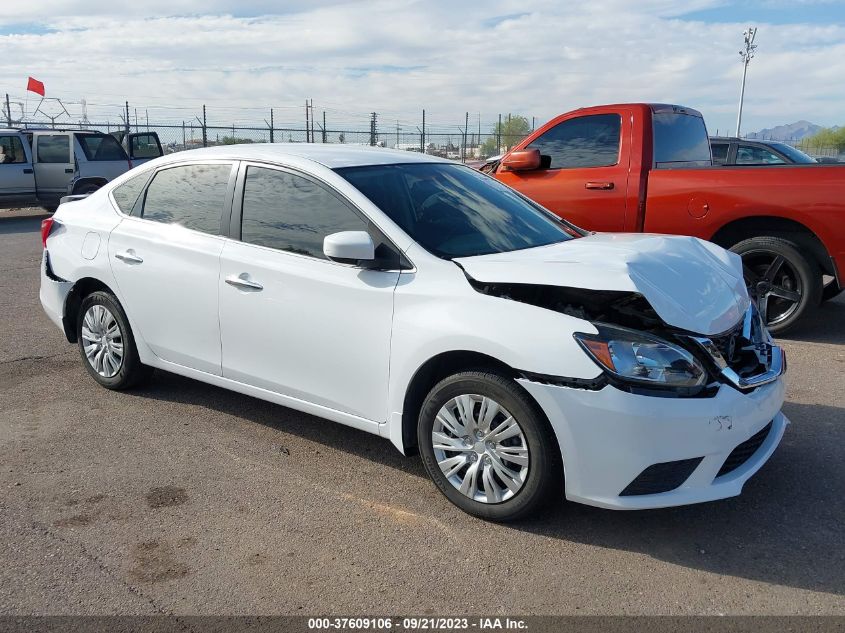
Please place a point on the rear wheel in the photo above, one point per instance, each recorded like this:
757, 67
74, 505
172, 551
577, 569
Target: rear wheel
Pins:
106, 343
786, 285
488, 447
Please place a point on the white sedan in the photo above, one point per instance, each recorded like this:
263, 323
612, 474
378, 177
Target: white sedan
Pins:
424, 302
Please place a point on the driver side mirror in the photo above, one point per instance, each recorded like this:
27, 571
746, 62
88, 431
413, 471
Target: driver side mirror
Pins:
349, 247
522, 160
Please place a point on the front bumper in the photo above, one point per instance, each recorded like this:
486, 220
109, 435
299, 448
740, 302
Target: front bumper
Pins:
609, 437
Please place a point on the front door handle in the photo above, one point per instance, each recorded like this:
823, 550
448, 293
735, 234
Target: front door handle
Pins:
27, 170
69, 170
244, 282
129, 257
605, 186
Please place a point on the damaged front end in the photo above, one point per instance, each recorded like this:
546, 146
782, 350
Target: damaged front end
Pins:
694, 365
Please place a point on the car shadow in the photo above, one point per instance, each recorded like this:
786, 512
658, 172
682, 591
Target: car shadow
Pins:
785, 529
825, 325
22, 221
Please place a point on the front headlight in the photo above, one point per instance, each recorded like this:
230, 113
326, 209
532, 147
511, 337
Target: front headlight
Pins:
642, 358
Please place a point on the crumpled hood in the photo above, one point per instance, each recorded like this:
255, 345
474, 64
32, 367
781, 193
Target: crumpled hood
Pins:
691, 284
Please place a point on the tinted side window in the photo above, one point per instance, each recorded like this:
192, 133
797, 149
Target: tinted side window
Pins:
53, 149
191, 196
587, 141
101, 147
720, 152
11, 150
292, 213
750, 155
144, 146
126, 195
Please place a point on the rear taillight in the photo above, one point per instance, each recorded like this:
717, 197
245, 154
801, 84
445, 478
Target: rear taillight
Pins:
46, 227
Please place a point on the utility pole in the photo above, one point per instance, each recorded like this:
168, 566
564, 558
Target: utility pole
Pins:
499, 136
204, 130
183, 136
271, 125
127, 118
422, 142
8, 111
466, 129
307, 124
324, 127
746, 54
373, 129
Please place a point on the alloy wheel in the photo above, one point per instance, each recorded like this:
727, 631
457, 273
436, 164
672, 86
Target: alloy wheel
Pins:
480, 448
102, 341
774, 282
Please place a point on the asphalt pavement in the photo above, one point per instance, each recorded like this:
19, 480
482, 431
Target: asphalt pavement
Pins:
182, 498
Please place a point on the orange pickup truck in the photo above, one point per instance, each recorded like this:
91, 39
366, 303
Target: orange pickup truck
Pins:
647, 167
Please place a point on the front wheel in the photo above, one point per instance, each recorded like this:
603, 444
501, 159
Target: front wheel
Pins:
786, 285
488, 447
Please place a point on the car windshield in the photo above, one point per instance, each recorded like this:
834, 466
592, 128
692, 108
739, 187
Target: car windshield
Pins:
454, 211
795, 155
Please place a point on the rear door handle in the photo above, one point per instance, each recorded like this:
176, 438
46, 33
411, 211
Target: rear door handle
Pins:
129, 257
598, 185
69, 170
28, 170
242, 281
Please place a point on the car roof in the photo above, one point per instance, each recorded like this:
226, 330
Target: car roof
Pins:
331, 155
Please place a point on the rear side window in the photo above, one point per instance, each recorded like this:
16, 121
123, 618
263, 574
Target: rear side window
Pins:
126, 194
720, 152
11, 150
144, 146
680, 140
101, 147
189, 195
53, 149
291, 213
587, 141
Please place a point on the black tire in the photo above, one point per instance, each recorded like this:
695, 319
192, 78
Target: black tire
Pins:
545, 472
131, 371
797, 274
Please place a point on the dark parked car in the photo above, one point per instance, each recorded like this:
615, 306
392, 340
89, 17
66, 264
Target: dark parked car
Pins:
739, 151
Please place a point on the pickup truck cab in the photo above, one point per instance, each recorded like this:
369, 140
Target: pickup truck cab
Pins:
648, 168
39, 167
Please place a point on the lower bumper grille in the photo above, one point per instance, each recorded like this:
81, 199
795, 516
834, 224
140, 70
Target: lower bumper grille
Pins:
744, 451
661, 477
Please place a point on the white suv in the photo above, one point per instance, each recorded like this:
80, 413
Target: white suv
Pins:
427, 303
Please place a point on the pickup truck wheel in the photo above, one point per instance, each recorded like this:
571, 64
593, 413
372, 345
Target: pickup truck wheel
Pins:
785, 284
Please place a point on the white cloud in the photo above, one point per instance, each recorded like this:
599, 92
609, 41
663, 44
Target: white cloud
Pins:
397, 57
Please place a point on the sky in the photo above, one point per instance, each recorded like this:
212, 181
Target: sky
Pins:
537, 58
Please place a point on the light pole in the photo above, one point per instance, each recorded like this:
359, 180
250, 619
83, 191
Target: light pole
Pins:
747, 53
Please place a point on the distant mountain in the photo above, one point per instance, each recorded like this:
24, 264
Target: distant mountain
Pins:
797, 130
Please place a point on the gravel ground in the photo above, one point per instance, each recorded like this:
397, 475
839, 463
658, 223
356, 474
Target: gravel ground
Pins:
185, 498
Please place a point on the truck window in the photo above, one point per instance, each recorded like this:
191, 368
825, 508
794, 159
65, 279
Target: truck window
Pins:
144, 146
587, 141
53, 149
680, 140
11, 150
100, 147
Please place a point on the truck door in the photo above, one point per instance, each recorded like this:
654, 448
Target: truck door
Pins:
143, 146
584, 173
17, 180
53, 163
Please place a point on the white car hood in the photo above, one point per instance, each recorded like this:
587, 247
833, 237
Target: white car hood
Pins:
691, 284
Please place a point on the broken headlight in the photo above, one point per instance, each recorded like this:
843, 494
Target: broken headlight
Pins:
641, 358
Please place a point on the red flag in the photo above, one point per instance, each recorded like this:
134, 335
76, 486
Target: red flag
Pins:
33, 85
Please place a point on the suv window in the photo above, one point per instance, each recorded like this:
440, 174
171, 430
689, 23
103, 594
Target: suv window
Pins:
53, 149
291, 213
12, 151
752, 155
587, 141
126, 194
720, 152
144, 146
99, 147
189, 195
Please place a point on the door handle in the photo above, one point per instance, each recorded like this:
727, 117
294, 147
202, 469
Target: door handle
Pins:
28, 170
69, 170
129, 257
605, 186
242, 281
